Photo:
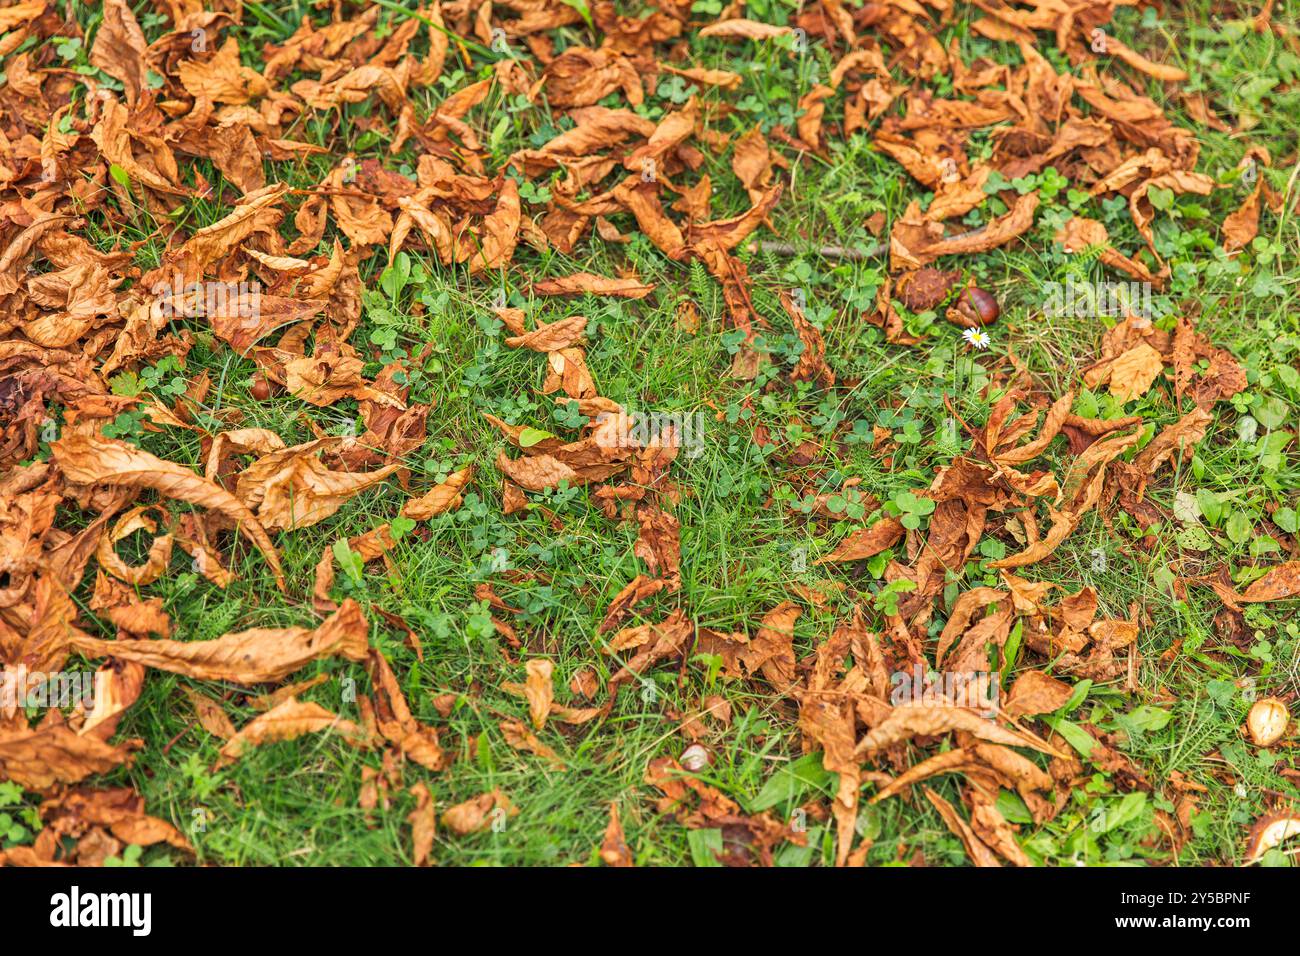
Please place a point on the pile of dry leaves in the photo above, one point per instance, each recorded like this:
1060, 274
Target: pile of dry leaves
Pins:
77, 159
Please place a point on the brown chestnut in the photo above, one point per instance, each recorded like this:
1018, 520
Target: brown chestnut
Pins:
261, 387
974, 308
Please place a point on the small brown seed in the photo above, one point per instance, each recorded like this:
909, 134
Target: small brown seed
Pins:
261, 388
974, 308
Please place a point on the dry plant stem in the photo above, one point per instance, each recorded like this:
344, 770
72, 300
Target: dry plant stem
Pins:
826, 252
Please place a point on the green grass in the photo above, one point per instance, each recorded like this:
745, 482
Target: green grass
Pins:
297, 803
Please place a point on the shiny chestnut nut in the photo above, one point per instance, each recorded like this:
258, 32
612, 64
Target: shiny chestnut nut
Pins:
974, 308
261, 389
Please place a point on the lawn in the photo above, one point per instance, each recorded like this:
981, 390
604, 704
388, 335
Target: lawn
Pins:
511, 626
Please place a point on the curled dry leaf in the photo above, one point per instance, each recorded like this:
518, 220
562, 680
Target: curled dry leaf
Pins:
479, 813
37, 758
553, 336
424, 825
293, 488
1242, 225
581, 282
614, 850
741, 29
1277, 584
74, 812
771, 652
520, 737
212, 717
160, 551
414, 740
286, 721
1180, 436
443, 498
89, 460
247, 657
539, 689
992, 828
867, 542
926, 719
652, 642
914, 243
1034, 692
979, 854
325, 379
1131, 374
119, 49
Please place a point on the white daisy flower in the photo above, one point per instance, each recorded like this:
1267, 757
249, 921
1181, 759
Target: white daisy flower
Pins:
976, 337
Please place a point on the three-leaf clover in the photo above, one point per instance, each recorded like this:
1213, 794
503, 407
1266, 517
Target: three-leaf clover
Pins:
911, 509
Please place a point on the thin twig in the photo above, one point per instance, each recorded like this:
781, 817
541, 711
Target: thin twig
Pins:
826, 252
